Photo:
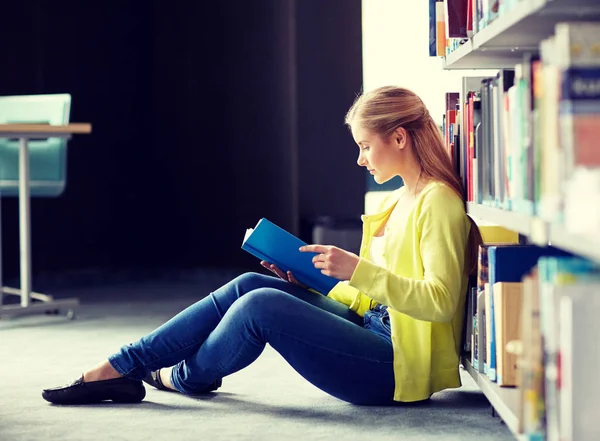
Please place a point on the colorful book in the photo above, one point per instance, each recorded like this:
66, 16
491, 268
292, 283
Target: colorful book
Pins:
275, 245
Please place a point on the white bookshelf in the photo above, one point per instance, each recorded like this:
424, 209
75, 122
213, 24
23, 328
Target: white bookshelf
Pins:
540, 232
504, 400
513, 221
502, 44
504, 41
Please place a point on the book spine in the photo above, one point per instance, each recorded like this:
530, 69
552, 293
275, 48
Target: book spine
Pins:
485, 144
531, 363
490, 315
548, 173
580, 353
507, 310
440, 23
432, 29
456, 18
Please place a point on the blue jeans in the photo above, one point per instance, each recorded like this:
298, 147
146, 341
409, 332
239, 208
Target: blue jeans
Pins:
320, 338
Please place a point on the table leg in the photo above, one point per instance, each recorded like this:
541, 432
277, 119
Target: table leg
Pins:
24, 222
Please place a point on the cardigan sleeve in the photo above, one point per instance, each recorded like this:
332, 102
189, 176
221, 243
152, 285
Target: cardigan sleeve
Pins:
344, 293
442, 233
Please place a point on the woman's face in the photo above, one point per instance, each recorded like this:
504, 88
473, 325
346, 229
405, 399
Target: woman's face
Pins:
380, 156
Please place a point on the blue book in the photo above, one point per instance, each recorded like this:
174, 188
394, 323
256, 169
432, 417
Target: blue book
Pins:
509, 263
275, 245
432, 29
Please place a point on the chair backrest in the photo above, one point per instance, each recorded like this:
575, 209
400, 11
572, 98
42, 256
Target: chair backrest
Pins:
47, 157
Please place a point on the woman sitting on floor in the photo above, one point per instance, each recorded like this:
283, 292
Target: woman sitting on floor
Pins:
388, 332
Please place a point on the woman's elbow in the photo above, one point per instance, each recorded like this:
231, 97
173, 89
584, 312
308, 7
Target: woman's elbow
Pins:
445, 308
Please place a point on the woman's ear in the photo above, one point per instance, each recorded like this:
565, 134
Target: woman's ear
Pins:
400, 137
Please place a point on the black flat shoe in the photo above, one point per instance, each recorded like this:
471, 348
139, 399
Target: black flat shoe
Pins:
119, 390
153, 379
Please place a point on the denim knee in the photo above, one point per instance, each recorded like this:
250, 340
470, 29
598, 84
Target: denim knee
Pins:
259, 305
251, 279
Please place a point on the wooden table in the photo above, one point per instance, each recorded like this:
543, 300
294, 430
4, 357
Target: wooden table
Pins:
25, 132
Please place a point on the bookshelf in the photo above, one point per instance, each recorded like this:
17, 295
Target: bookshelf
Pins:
513, 221
504, 400
502, 44
538, 231
504, 41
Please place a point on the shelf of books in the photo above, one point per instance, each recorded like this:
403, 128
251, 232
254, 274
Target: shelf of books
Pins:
538, 231
525, 143
501, 35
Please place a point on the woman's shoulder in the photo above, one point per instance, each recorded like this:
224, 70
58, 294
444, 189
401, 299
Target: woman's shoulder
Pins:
441, 196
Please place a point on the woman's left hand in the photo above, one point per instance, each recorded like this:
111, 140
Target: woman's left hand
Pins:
333, 261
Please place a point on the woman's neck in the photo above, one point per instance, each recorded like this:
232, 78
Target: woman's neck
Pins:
414, 182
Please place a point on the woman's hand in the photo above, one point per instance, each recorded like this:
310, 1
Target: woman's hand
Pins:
289, 277
333, 261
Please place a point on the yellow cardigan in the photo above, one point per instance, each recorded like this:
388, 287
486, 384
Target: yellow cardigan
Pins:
424, 287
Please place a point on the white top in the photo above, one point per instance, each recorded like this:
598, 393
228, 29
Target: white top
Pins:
377, 251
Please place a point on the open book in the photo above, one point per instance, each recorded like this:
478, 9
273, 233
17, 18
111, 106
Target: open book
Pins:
275, 245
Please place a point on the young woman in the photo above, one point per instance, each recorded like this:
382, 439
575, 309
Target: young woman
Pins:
388, 332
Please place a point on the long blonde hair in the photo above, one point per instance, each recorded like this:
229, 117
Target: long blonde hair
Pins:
385, 109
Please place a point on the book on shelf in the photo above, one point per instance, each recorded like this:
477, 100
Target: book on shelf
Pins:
579, 310
472, 124
469, 322
275, 245
469, 20
556, 273
478, 347
456, 18
480, 322
503, 81
484, 146
507, 308
578, 60
440, 26
432, 28
488, 311
530, 361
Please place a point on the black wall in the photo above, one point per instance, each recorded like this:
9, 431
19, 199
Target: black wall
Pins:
206, 116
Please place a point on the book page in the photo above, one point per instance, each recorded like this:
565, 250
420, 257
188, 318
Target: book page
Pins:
247, 235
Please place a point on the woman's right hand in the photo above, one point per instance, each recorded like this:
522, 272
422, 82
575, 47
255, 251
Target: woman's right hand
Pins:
288, 277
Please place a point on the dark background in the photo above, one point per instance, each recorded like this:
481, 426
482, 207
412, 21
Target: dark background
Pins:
206, 116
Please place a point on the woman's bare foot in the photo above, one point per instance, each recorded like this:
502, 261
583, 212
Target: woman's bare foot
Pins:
102, 371
165, 377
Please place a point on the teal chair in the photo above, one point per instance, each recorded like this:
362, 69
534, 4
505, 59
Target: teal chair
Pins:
47, 178
47, 157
